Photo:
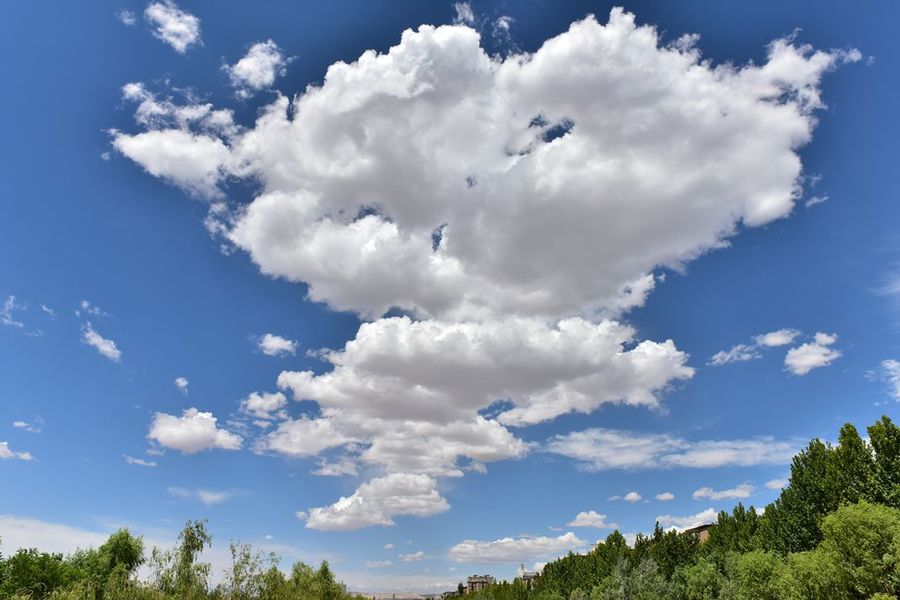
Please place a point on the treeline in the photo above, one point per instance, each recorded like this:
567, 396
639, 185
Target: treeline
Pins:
832, 534
110, 573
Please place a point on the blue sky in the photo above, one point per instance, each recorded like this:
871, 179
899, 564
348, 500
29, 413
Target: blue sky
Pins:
501, 384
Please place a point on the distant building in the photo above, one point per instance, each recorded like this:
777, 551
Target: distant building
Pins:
528, 577
701, 531
478, 582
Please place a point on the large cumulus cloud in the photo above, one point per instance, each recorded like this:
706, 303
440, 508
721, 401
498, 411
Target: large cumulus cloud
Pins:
515, 207
665, 155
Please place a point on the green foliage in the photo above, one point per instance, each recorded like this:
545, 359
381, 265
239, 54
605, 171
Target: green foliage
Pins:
812, 575
833, 533
791, 523
584, 571
700, 581
35, 574
735, 532
643, 582
110, 573
884, 437
752, 576
862, 541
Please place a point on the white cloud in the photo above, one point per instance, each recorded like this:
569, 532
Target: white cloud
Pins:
6, 313
782, 337
188, 160
388, 546
777, 484
421, 105
744, 490
515, 550
182, 384
890, 371
464, 13
378, 564
745, 352
175, 27
207, 497
127, 17
511, 205
501, 31
7, 454
413, 556
812, 355
632, 497
376, 502
265, 406
192, 432
106, 347
739, 353
48, 311
591, 518
665, 496
681, 523
413, 390
258, 69
604, 449
140, 462
34, 427
85, 308
22, 532
813, 200
275, 345
302, 437
339, 468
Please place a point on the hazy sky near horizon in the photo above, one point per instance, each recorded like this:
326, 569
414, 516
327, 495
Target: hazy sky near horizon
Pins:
429, 289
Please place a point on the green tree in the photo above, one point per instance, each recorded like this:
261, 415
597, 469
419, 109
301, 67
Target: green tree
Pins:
791, 523
863, 540
35, 574
752, 576
735, 532
177, 571
811, 575
700, 581
884, 437
852, 467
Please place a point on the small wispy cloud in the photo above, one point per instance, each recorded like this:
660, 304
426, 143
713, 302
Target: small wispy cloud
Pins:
7, 453
105, 346
34, 427
889, 372
6, 313
745, 490
275, 345
177, 28
753, 350
182, 384
127, 17
464, 13
413, 556
207, 497
591, 518
631, 497
139, 462
378, 564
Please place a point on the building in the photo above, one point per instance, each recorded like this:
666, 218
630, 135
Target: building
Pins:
478, 582
528, 577
701, 531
